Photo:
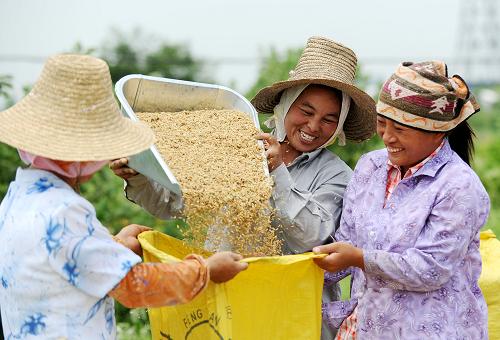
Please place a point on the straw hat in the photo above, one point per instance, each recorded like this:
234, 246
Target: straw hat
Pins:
327, 63
71, 115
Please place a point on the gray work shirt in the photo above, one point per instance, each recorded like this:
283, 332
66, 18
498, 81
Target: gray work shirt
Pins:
307, 197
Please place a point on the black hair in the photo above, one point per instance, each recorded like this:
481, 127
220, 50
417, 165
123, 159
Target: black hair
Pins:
461, 140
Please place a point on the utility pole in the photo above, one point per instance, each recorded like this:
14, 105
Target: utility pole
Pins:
478, 49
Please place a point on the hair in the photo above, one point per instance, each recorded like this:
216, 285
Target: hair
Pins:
461, 140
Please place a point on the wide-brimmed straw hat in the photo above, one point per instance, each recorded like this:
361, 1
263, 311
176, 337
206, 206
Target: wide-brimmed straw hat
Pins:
71, 115
329, 63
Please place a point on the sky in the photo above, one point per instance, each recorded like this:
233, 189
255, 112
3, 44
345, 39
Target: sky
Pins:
381, 32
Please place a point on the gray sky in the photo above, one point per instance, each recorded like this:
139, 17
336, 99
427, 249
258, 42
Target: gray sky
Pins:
222, 29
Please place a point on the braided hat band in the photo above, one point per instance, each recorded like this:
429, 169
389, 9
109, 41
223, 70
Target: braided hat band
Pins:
421, 95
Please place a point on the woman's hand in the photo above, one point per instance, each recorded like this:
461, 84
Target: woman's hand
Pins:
121, 169
128, 237
273, 150
341, 255
224, 266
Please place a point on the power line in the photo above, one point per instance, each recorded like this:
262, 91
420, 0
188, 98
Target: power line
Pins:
483, 60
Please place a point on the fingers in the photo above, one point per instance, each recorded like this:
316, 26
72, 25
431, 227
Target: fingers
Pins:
230, 255
133, 230
118, 163
329, 263
325, 249
267, 138
242, 266
262, 135
236, 257
320, 262
121, 169
224, 266
143, 228
239, 266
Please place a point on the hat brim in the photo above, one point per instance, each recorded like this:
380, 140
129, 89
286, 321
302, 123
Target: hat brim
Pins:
23, 127
361, 120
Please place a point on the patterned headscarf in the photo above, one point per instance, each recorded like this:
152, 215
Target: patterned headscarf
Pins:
421, 95
277, 121
66, 169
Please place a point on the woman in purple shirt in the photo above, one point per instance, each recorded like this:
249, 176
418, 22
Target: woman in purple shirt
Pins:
409, 232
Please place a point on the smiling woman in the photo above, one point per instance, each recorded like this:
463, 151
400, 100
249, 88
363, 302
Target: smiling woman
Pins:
316, 106
409, 235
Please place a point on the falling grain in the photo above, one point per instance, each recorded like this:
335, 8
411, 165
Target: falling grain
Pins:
219, 165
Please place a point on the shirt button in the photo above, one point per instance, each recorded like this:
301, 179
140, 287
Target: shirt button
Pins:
372, 234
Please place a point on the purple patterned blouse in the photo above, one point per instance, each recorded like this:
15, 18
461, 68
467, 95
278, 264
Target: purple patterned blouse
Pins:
421, 251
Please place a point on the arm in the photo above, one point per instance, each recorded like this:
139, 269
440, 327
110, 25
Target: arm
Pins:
344, 235
307, 218
153, 197
162, 284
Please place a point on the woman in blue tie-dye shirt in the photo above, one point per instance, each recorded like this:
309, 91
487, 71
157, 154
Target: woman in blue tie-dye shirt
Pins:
60, 267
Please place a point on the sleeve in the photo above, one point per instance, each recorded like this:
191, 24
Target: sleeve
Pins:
83, 252
345, 233
162, 284
452, 226
153, 197
332, 278
307, 218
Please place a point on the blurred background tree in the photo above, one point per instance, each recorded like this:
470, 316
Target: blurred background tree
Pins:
5, 86
9, 160
274, 66
138, 53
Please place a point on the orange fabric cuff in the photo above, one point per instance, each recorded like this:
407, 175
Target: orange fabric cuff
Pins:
162, 284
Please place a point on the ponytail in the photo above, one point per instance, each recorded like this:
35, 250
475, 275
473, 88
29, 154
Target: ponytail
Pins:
461, 140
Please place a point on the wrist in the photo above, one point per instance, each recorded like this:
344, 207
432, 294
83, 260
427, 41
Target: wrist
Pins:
359, 258
117, 239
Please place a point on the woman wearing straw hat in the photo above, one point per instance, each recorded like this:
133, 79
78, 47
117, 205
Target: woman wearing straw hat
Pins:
316, 106
409, 234
60, 266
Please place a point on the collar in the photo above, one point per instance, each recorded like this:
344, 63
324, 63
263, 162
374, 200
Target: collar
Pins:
307, 157
30, 175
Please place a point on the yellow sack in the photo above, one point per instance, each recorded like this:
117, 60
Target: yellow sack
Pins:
489, 281
275, 298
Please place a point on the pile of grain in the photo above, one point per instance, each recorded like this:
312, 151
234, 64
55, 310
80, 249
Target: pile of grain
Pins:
216, 159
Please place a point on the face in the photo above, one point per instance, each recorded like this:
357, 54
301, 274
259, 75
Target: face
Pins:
72, 180
312, 118
406, 146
